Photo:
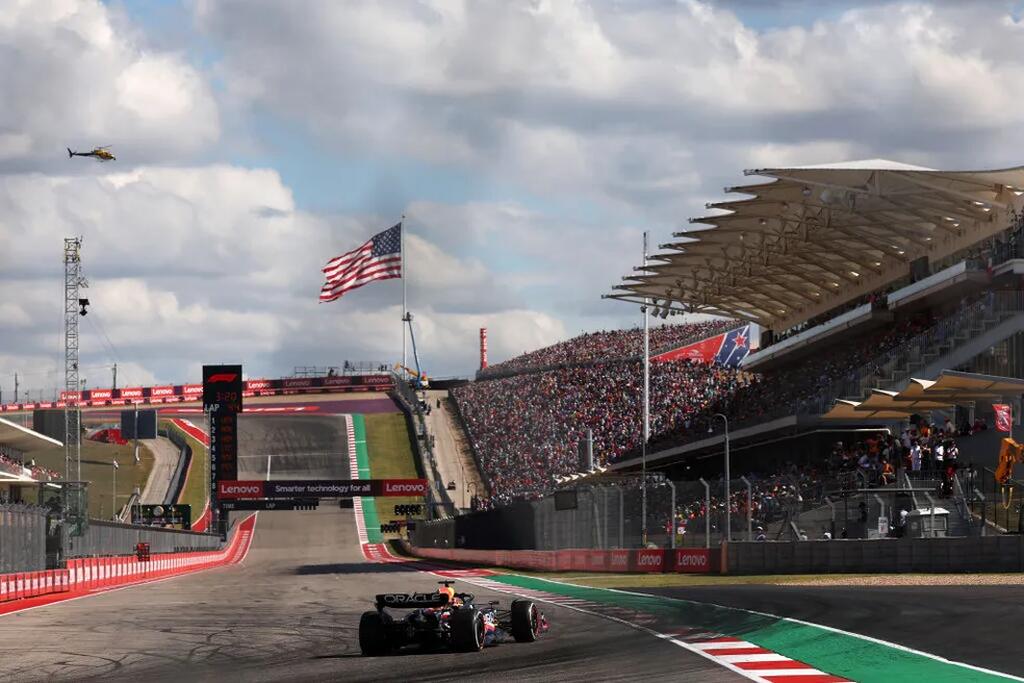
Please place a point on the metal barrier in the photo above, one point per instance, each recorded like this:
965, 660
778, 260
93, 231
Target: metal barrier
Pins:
423, 444
999, 508
109, 538
22, 538
989, 553
181, 469
606, 516
609, 514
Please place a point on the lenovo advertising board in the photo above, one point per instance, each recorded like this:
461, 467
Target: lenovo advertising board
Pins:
693, 560
649, 561
317, 488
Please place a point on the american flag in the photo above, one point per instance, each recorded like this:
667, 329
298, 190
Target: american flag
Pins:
380, 258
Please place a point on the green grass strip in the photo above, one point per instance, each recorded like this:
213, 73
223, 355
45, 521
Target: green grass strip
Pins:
363, 463
390, 456
836, 653
196, 490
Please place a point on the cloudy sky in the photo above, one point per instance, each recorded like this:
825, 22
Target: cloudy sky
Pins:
529, 143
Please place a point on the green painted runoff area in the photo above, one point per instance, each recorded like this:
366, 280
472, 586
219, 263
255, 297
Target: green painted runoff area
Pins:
363, 463
836, 653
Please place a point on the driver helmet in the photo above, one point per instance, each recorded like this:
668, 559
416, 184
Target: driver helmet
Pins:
449, 591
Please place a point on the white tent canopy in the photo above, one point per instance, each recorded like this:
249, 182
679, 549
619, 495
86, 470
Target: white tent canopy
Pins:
22, 438
949, 389
817, 237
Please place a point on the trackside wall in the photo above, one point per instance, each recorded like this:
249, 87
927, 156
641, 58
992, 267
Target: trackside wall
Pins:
891, 556
507, 528
22, 538
97, 573
111, 538
680, 560
925, 555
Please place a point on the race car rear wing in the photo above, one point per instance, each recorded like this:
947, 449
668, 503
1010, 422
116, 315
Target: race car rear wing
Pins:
411, 600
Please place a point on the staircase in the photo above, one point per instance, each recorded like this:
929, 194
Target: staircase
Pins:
939, 342
949, 343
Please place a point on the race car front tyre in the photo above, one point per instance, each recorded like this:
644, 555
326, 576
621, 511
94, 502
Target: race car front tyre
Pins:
373, 634
467, 628
525, 621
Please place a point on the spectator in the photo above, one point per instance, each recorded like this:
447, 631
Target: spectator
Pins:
888, 473
610, 345
526, 428
915, 456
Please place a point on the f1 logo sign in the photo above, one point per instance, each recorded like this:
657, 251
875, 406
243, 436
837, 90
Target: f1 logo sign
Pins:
222, 386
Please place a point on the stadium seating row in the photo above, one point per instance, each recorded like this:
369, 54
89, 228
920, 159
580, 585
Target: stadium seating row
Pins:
608, 345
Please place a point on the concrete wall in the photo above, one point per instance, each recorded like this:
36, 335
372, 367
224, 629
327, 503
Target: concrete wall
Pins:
109, 538
22, 538
894, 556
507, 528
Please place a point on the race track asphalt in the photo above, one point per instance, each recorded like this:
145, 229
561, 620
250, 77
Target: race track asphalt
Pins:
977, 625
290, 612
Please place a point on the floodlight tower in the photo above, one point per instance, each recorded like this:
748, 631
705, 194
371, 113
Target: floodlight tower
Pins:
73, 308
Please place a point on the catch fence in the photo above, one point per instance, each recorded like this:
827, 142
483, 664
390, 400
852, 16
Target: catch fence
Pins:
439, 503
610, 513
22, 538
110, 538
998, 507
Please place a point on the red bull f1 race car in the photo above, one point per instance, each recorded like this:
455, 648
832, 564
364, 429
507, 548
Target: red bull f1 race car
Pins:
446, 620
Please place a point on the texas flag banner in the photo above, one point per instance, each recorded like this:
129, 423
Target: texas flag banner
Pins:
728, 348
1004, 416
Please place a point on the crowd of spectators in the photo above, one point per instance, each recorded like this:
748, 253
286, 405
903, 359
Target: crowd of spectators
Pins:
16, 467
611, 345
526, 428
928, 449
805, 387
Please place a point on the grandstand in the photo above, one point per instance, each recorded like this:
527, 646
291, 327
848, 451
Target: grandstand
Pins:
606, 345
526, 421
15, 467
862, 277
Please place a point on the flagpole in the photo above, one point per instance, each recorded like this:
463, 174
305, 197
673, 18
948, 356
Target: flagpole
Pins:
405, 279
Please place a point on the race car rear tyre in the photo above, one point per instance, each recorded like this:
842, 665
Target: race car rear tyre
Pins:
467, 630
525, 621
373, 634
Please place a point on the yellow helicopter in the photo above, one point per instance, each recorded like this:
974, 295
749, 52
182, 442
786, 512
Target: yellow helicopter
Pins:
100, 154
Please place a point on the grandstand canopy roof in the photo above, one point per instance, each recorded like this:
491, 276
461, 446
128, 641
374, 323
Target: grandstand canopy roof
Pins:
949, 389
817, 237
23, 438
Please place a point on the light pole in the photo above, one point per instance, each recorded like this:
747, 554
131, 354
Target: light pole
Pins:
646, 413
136, 449
465, 484
728, 496
113, 492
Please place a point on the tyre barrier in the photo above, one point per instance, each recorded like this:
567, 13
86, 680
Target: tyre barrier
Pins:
679, 560
101, 573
